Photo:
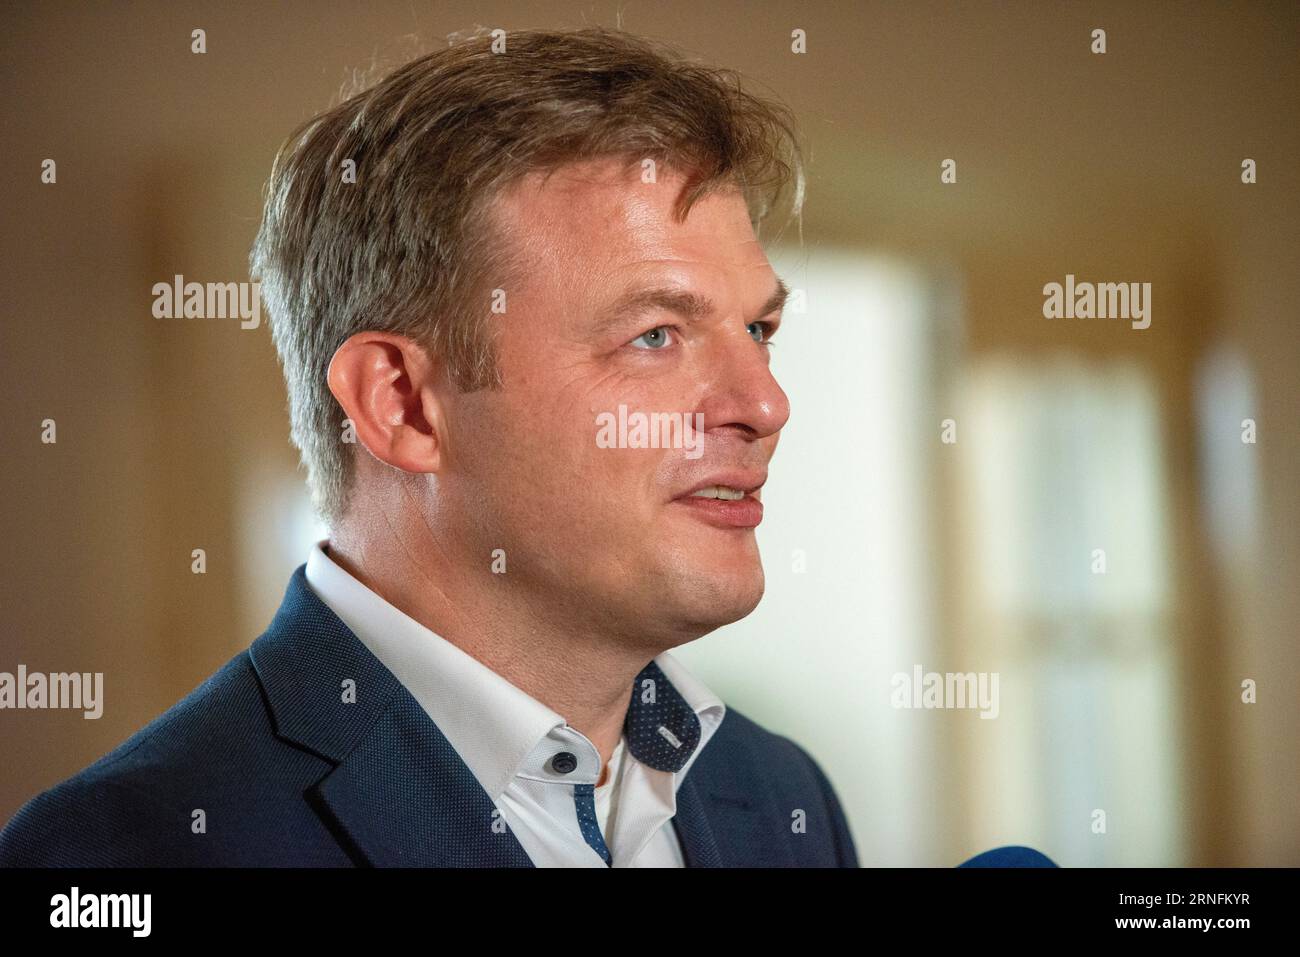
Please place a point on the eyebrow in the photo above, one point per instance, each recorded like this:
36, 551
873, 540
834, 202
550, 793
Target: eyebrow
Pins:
689, 305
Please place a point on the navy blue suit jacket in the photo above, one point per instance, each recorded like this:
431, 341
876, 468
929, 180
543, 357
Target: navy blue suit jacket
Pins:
287, 774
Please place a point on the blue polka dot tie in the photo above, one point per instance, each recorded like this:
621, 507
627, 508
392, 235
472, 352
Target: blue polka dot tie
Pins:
584, 796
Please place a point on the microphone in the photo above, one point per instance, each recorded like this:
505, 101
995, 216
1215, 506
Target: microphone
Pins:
1012, 855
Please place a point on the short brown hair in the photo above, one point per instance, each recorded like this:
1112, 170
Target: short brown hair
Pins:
404, 249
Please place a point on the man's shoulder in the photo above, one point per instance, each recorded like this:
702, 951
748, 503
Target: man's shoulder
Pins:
740, 738
746, 762
152, 799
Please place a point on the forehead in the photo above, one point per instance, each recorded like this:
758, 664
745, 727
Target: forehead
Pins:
597, 218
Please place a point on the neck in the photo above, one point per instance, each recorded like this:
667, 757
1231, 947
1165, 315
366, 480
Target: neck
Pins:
574, 670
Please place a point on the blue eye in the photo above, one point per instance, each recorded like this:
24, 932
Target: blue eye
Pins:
764, 330
655, 338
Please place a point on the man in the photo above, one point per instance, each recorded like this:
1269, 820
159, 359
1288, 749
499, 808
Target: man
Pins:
473, 270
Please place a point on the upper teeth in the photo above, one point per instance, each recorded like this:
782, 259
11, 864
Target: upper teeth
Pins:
719, 491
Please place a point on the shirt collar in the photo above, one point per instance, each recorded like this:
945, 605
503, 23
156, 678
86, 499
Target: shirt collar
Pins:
498, 729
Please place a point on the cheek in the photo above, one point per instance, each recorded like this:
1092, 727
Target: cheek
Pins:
536, 455
545, 428
583, 488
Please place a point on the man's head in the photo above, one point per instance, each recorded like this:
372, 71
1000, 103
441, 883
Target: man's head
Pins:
543, 249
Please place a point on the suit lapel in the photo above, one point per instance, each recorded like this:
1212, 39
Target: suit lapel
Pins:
699, 844
399, 794
720, 821
404, 798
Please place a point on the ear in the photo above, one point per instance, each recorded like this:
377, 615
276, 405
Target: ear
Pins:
388, 386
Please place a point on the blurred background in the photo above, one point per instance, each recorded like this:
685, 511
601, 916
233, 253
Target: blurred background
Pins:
954, 463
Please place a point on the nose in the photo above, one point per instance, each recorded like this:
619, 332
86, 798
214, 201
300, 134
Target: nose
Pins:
742, 396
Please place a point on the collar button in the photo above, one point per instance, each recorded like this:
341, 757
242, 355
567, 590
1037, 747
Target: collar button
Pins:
564, 762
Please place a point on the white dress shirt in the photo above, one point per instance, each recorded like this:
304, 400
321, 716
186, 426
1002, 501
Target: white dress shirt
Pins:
510, 740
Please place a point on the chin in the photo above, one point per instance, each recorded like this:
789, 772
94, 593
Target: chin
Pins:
694, 586
714, 601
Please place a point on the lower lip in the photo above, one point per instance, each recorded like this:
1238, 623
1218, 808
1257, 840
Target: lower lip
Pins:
726, 513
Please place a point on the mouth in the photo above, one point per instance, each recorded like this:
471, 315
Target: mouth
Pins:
728, 501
